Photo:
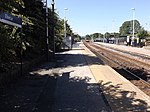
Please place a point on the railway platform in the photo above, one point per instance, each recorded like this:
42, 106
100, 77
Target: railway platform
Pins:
103, 89
129, 49
77, 82
76, 88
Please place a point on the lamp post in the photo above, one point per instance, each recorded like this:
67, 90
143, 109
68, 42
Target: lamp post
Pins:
104, 34
53, 26
113, 27
47, 41
65, 22
133, 29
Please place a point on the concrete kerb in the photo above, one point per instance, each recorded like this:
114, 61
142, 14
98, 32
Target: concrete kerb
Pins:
98, 81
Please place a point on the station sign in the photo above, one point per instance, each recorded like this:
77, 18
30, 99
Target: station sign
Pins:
10, 19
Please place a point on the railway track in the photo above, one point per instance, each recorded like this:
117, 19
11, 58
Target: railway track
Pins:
137, 72
136, 60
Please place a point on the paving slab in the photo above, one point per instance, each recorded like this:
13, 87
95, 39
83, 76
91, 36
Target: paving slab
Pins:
77, 89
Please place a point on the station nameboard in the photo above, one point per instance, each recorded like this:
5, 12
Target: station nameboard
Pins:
10, 19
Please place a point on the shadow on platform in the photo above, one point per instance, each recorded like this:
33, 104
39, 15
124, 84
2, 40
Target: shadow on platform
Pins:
122, 100
75, 60
74, 94
38, 93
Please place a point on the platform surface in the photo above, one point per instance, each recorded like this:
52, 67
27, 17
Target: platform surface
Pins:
77, 82
137, 50
76, 88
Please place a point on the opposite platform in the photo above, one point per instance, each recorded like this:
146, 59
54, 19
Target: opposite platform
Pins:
131, 49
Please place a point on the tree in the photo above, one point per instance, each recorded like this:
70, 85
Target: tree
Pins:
107, 35
9, 34
95, 35
88, 37
76, 37
59, 32
126, 28
101, 35
33, 33
69, 30
116, 35
142, 34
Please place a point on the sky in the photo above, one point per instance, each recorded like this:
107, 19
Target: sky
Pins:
100, 16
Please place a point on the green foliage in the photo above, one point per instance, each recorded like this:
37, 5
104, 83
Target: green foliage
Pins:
76, 37
88, 37
142, 34
116, 35
94, 36
6, 44
127, 28
107, 35
59, 30
101, 35
69, 31
8, 34
33, 32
